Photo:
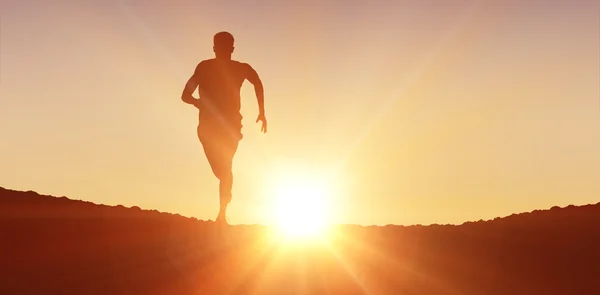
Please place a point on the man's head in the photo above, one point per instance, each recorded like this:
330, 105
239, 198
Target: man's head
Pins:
223, 44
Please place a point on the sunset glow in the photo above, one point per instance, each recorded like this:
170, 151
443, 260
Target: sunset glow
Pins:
301, 208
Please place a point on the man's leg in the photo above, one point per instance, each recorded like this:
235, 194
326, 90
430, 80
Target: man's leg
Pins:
220, 153
225, 170
225, 180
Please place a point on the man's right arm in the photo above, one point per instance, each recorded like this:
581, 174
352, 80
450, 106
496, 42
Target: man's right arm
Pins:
190, 87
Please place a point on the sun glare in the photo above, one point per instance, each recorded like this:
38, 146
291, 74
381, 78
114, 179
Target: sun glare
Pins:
301, 208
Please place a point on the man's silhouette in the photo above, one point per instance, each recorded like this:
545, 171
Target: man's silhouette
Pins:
219, 81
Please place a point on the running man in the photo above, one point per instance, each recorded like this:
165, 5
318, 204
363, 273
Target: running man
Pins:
219, 81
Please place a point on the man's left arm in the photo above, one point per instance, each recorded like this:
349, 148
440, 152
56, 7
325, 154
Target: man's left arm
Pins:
252, 77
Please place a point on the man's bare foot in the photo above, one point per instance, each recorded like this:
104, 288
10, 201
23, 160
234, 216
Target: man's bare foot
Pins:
221, 219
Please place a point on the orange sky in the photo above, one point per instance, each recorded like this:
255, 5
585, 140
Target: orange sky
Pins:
416, 113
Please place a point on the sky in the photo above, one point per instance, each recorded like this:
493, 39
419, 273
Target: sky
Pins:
411, 112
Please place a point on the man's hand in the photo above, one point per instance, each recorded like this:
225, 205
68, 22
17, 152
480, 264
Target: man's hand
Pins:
261, 117
197, 103
192, 100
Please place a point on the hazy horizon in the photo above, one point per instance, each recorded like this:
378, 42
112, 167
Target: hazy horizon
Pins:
418, 114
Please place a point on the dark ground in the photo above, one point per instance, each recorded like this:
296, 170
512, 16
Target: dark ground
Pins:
54, 245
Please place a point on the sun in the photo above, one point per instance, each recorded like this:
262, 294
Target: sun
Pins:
301, 208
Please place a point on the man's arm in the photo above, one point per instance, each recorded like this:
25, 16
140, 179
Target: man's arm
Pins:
190, 87
252, 77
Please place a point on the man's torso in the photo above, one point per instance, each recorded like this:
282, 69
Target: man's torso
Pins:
219, 84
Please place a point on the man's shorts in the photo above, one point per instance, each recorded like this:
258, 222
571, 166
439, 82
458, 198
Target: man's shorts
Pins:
220, 141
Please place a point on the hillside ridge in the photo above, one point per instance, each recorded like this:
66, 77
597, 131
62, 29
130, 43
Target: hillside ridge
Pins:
22, 197
55, 245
